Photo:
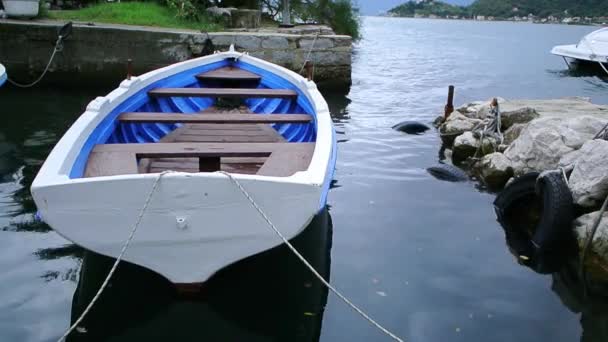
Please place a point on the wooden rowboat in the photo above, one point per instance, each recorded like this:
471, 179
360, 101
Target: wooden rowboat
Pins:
267, 126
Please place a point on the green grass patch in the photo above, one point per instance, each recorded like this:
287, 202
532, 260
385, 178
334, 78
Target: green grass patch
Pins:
134, 13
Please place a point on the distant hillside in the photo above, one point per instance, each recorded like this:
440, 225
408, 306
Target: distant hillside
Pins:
426, 8
505, 8
542, 8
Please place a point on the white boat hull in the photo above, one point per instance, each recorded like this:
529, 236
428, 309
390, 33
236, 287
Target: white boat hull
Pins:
592, 48
196, 223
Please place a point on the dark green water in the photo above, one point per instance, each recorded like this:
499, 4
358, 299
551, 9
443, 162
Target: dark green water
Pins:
424, 257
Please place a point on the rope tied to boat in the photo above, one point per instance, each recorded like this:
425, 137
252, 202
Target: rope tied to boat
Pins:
58, 48
119, 258
305, 262
308, 53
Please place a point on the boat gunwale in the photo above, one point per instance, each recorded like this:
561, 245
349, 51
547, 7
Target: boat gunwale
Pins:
63, 157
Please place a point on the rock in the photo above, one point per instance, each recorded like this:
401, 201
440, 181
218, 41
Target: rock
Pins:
495, 170
513, 133
275, 43
567, 160
220, 12
465, 146
582, 229
438, 121
589, 179
518, 116
544, 141
479, 109
455, 125
245, 18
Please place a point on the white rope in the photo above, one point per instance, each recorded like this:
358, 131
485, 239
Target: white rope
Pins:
58, 47
309, 52
118, 259
305, 262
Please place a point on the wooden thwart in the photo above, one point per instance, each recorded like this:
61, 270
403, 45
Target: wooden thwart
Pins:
223, 92
214, 118
229, 74
284, 159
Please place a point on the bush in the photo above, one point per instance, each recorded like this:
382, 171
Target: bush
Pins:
344, 18
341, 15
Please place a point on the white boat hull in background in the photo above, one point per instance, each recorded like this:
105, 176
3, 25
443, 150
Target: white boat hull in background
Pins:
592, 48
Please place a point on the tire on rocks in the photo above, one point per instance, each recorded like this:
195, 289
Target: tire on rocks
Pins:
447, 172
536, 212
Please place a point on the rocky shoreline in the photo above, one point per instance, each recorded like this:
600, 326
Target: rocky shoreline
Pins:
500, 139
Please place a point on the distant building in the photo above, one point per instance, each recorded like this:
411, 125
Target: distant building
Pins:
480, 17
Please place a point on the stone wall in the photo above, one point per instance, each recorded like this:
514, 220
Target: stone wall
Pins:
98, 53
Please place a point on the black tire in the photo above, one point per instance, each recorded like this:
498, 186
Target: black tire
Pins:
536, 213
411, 127
447, 172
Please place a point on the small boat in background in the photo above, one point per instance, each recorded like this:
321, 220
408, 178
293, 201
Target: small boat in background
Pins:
3, 76
592, 48
266, 126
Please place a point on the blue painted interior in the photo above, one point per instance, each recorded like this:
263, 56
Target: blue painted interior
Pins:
110, 131
3, 78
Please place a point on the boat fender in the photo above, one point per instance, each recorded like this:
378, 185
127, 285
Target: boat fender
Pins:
447, 172
536, 212
411, 127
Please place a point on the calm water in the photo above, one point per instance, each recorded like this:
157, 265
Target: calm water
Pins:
424, 257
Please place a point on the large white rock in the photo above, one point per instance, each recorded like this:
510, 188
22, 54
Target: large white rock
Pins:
455, 125
582, 229
479, 109
495, 170
465, 146
589, 179
511, 134
519, 116
544, 141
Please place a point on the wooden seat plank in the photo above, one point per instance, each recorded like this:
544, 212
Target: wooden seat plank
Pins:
110, 164
193, 150
223, 92
285, 162
229, 74
148, 117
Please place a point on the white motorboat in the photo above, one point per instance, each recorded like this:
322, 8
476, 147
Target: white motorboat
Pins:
591, 48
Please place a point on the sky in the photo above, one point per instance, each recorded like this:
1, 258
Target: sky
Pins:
371, 7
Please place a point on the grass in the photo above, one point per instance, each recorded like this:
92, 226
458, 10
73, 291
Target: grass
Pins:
133, 13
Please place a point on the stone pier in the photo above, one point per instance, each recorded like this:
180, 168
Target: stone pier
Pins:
97, 53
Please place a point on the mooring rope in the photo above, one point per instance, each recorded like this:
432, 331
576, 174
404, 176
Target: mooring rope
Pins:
118, 259
58, 48
305, 262
309, 52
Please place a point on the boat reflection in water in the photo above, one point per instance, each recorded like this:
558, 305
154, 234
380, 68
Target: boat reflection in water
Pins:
268, 297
